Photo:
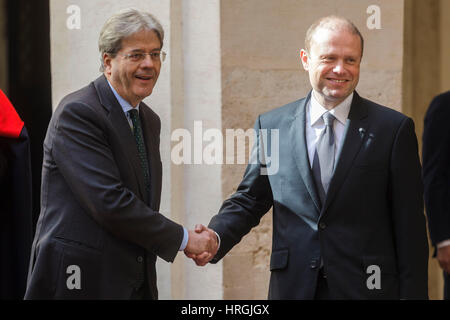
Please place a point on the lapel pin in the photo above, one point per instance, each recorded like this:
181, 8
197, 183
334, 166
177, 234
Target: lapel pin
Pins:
362, 132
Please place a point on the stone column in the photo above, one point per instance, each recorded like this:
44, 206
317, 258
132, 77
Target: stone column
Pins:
202, 105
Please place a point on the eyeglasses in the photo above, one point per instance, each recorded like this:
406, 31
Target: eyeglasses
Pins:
140, 56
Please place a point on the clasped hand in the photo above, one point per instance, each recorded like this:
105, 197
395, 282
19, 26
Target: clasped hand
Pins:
202, 245
443, 257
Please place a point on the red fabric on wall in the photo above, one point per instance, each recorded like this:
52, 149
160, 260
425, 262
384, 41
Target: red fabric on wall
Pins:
10, 123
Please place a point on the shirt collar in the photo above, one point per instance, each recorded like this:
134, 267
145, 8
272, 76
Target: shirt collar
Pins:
340, 112
126, 106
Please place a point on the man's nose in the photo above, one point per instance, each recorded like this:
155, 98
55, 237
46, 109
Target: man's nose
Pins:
339, 67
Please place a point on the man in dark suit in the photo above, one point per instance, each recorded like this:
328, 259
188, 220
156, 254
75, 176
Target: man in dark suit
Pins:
436, 176
15, 202
99, 231
348, 220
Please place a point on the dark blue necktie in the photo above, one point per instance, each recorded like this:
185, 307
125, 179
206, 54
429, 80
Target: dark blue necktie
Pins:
137, 130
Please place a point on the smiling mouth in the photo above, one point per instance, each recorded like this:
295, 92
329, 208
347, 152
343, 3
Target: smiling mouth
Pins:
144, 77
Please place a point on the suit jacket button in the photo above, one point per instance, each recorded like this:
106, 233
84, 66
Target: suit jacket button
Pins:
313, 264
140, 259
322, 225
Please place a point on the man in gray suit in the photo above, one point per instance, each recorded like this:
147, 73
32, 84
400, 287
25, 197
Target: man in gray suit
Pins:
99, 231
348, 220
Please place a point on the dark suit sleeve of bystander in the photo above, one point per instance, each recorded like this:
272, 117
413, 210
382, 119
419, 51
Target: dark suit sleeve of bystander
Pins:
436, 167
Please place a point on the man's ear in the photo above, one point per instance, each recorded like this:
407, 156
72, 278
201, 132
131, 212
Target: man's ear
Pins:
304, 59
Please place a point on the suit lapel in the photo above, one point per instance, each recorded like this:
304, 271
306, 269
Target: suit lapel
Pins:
354, 135
122, 127
297, 135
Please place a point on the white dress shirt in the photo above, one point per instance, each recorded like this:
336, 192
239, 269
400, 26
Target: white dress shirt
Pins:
443, 244
315, 124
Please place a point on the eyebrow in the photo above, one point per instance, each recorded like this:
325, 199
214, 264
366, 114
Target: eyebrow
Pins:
334, 55
326, 55
141, 50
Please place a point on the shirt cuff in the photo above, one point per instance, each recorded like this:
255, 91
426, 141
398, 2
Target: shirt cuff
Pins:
185, 240
443, 243
218, 239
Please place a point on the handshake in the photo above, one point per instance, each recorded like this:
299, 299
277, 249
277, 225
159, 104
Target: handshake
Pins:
202, 245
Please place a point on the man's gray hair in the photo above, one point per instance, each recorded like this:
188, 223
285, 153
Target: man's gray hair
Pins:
122, 25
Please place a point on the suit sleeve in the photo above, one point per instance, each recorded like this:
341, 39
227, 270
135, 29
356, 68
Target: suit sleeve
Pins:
436, 170
81, 152
406, 192
245, 208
